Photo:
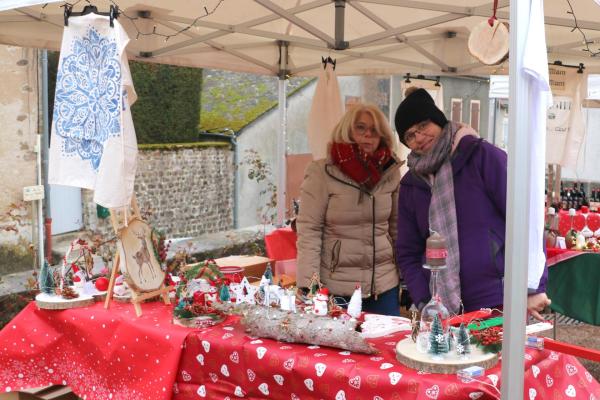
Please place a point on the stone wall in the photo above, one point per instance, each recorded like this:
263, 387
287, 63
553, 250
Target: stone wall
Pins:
183, 192
18, 138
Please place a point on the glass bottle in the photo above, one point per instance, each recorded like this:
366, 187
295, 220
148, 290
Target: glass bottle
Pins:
428, 314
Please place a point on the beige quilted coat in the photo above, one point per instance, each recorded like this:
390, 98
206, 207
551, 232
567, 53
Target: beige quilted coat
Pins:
346, 234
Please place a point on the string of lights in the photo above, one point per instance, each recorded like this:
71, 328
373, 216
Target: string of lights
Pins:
141, 15
586, 42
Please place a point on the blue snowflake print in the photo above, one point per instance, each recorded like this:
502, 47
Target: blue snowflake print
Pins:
87, 101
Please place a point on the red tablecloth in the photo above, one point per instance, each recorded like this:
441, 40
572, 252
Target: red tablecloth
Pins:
101, 354
112, 354
224, 363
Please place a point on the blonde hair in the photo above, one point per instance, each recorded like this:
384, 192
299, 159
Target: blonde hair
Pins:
341, 132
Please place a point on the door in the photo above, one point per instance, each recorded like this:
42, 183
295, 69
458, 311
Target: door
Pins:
66, 209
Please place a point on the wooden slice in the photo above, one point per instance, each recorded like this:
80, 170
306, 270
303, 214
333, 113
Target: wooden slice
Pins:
55, 302
489, 44
407, 354
138, 262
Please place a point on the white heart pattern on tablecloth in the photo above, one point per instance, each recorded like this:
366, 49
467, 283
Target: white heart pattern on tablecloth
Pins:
264, 388
200, 358
570, 391
320, 354
213, 377
224, 370
549, 381
186, 376
288, 364
206, 346
592, 397
251, 375
260, 352
228, 328
294, 397
377, 398
386, 366
536, 370
201, 391
314, 346
309, 384
235, 357
227, 336
553, 355
354, 382
285, 347
345, 353
348, 360
391, 343
494, 379
532, 393
475, 395
432, 392
571, 369
175, 388
376, 359
341, 395
238, 391
320, 369
528, 356
588, 376
257, 341
394, 377
279, 379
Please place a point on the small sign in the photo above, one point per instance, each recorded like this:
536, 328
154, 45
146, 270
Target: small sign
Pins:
31, 193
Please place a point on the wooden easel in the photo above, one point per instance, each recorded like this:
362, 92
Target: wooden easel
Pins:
137, 297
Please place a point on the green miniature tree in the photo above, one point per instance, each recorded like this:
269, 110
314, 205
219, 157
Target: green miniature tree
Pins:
224, 293
462, 341
437, 339
46, 279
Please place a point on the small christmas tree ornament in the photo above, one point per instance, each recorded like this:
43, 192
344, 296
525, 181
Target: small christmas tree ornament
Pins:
435, 261
463, 341
321, 302
224, 293
46, 279
438, 340
355, 304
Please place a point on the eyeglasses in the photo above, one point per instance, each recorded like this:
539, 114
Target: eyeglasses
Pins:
361, 130
419, 128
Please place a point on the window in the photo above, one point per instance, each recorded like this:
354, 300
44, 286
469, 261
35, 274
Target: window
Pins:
475, 107
456, 107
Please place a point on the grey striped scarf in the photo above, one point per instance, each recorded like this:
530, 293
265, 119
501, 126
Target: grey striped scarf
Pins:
435, 168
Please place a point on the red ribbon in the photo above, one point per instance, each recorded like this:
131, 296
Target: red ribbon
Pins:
493, 17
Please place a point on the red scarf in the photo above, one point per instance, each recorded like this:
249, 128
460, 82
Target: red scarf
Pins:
365, 169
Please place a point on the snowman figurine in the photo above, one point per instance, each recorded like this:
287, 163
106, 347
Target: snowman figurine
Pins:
321, 302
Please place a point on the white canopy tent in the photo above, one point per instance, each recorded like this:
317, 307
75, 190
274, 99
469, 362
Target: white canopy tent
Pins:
289, 37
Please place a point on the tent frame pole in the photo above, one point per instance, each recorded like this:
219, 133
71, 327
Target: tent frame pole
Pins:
282, 135
517, 210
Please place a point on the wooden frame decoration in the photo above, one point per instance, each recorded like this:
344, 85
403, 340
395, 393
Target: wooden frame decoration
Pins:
136, 259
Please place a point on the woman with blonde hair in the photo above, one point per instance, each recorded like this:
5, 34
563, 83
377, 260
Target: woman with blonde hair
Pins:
348, 210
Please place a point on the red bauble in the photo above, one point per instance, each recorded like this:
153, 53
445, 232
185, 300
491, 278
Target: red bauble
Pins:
102, 284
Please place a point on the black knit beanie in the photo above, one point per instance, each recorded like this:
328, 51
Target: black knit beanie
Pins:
417, 107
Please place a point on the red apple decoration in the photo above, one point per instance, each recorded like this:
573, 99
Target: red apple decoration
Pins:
102, 284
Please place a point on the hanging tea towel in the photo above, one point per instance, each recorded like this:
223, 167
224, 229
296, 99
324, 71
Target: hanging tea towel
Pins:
93, 143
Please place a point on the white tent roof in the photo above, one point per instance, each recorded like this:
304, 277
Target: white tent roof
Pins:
384, 36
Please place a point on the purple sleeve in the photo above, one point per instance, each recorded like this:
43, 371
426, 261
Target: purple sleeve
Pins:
494, 173
410, 247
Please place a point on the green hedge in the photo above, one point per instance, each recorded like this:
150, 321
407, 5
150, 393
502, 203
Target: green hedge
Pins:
168, 105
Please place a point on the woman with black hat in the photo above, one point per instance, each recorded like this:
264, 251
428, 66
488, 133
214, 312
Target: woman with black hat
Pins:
456, 186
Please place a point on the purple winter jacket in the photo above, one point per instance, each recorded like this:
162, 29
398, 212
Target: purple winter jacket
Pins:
480, 196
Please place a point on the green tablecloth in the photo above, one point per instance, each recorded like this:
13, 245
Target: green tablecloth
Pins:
574, 287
